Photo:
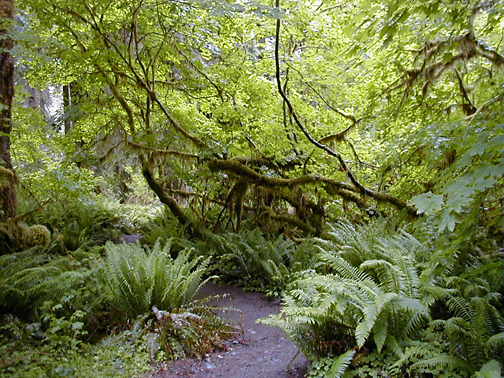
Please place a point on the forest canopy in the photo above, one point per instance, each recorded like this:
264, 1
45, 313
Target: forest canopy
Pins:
272, 113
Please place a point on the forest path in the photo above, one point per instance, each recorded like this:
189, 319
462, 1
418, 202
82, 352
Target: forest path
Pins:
261, 352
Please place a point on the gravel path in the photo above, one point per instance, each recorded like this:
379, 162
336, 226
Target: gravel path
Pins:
262, 352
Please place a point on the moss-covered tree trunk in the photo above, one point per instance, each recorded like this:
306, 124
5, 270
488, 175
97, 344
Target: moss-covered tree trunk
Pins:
8, 199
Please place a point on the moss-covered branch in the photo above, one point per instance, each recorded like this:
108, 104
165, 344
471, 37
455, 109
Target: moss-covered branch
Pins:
172, 204
240, 170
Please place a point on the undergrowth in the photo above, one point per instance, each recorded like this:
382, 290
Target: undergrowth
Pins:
141, 278
378, 292
253, 261
368, 301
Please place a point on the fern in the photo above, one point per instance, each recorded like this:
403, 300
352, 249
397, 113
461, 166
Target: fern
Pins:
31, 277
341, 363
257, 263
163, 226
451, 362
140, 279
370, 297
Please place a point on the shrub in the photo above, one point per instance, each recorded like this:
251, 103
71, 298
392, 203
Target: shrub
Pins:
34, 276
371, 292
377, 291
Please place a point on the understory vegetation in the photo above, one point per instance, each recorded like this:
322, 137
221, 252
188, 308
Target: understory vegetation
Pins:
368, 300
343, 157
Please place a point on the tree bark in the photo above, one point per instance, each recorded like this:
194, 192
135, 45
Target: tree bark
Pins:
8, 198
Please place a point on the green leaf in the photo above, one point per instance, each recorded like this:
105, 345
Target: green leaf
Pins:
491, 369
446, 220
478, 149
341, 363
428, 202
457, 201
77, 325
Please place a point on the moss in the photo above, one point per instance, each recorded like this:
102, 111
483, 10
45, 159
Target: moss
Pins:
37, 235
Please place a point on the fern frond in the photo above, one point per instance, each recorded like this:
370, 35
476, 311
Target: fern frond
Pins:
341, 363
390, 277
495, 341
444, 361
371, 315
344, 269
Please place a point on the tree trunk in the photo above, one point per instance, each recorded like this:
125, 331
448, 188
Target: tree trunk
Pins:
8, 199
67, 104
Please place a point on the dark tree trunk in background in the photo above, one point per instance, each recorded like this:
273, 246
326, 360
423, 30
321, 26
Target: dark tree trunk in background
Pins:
67, 104
8, 199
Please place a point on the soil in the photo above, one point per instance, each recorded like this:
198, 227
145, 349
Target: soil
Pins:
261, 352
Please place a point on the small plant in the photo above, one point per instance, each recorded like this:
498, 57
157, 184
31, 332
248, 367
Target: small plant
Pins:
140, 279
193, 330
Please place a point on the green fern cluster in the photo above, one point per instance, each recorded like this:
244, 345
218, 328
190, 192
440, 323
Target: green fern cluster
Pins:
376, 290
139, 279
259, 263
84, 226
369, 296
31, 277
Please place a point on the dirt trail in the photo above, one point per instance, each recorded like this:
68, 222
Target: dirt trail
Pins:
262, 352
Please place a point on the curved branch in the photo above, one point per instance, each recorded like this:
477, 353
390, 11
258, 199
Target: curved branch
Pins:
266, 210
359, 187
197, 141
159, 152
171, 203
233, 166
270, 162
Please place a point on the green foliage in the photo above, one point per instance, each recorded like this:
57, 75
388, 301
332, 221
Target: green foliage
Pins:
471, 181
32, 277
331, 367
256, 262
376, 290
162, 226
370, 295
194, 329
87, 225
374, 364
492, 369
469, 331
54, 348
173, 86
140, 279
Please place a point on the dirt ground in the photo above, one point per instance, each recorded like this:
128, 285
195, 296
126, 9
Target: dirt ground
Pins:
261, 352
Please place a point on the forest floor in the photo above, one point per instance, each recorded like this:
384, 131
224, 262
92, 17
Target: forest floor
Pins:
261, 352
